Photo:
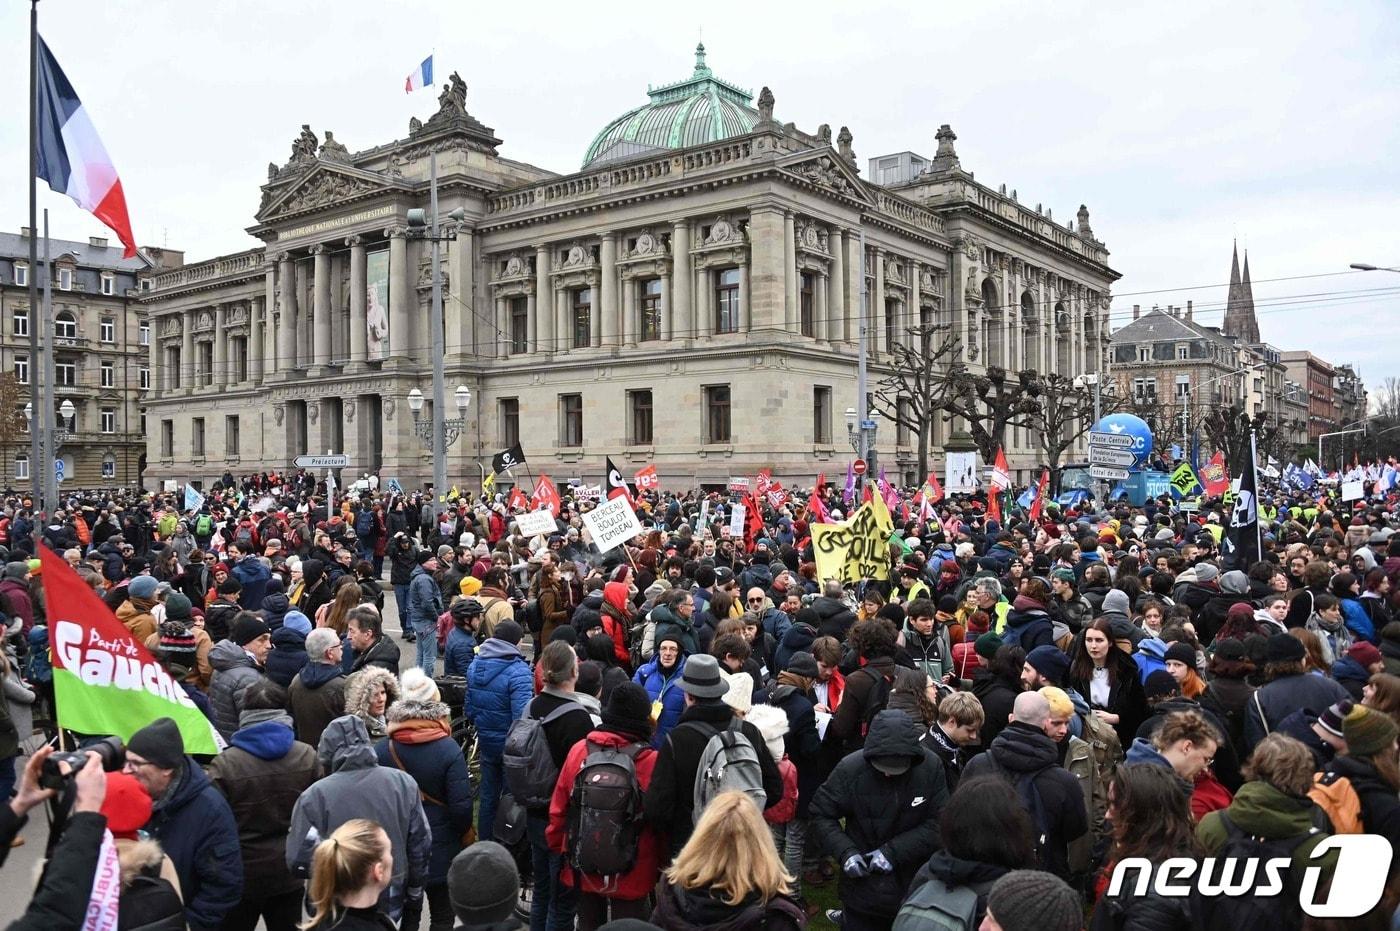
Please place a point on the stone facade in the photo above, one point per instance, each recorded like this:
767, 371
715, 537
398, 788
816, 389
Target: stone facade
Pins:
696, 306
1316, 376
100, 356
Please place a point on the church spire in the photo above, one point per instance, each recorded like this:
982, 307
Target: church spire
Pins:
1239, 307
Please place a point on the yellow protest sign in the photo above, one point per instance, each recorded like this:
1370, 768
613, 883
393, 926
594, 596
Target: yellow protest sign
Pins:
1184, 479
857, 548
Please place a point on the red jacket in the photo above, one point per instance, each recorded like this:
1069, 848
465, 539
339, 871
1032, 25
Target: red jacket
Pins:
615, 596
641, 879
784, 811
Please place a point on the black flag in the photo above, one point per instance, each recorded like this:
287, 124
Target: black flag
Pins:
1241, 545
507, 460
617, 485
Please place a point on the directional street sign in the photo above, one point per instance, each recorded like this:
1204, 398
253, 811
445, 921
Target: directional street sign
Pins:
1099, 455
58, 470
1112, 440
1108, 472
322, 462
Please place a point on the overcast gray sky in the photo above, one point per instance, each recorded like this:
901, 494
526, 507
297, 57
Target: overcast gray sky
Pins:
1181, 125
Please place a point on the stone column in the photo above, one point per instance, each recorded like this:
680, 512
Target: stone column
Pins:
359, 336
401, 300
286, 326
790, 295
221, 355
607, 298
630, 323
819, 307
595, 315
188, 364
320, 309
543, 338
877, 303
260, 326
563, 326
532, 330
836, 306
459, 306
667, 326
683, 274
502, 327
705, 303
745, 299
766, 308
855, 272
153, 361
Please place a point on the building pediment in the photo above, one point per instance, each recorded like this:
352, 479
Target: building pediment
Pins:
827, 171
325, 186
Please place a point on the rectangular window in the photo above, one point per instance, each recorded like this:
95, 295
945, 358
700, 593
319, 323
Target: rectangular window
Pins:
109, 375
583, 318
238, 346
173, 366
1183, 386
108, 417
197, 436
65, 326
107, 330
1145, 388
805, 298
143, 422
109, 284
651, 308
519, 326
231, 443
1144, 353
727, 301
167, 438
21, 467
901, 429
144, 374
891, 324
109, 468
639, 406
1183, 353
206, 364
716, 414
65, 374
22, 279
571, 420
509, 409
20, 322
65, 279
145, 332
22, 369
821, 414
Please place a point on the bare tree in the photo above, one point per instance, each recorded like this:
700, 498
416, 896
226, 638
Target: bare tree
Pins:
914, 391
1064, 412
990, 403
1228, 429
12, 423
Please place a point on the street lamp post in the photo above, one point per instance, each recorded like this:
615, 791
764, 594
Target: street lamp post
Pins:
439, 432
61, 433
860, 433
426, 227
1186, 400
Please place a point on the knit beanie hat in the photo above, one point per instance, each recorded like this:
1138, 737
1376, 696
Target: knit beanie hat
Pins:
247, 628
295, 620
1331, 719
1063, 574
127, 807
483, 884
1031, 900
1182, 653
628, 709
1050, 661
987, 645
740, 694
1242, 610
1285, 648
948, 604
177, 644
160, 743
803, 664
1368, 731
414, 685
177, 607
143, 586
509, 631
1159, 685
1364, 653
772, 723
1117, 601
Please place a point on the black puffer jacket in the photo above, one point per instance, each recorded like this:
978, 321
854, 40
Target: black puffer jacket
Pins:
862, 687
957, 874
1380, 809
801, 743
836, 618
1024, 756
997, 695
897, 815
700, 910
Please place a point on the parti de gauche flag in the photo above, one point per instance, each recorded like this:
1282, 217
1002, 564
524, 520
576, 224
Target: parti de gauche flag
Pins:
104, 680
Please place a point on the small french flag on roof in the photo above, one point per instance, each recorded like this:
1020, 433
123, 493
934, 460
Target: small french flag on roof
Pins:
70, 156
421, 77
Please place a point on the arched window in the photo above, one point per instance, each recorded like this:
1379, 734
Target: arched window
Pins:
65, 325
109, 466
1030, 323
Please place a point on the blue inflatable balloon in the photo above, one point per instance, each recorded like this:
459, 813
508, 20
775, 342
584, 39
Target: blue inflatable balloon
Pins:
1128, 425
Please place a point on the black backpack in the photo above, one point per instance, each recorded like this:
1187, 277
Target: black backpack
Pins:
879, 699
605, 811
150, 903
1250, 911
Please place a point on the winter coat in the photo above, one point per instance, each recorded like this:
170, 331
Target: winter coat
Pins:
420, 743
1380, 809
636, 883
1350, 675
1125, 696
458, 653
959, 874
19, 704
932, 654
499, 687
1150, 656
997, 695
670, 624
262, 774
16, 591
316, 697
383, 653
218, 618
1335, 641
274, 610
1282, 697
62, 898
680, 909
661, 687
424, 599
359, 693
234, 671
836, 617
1149, 912
157, 911
1076, 613
1358, 620
798, 639
1028, 759
554, 609
197, 830
1226, 766
670, 798
801, 744
288, 656
897, 815
253, 576
135, 614
358, 787
860, 694
1028, 625
1212, 616
1261, 810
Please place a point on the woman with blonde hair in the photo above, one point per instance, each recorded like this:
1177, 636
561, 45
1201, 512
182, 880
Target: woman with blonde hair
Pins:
728, 875
349, 870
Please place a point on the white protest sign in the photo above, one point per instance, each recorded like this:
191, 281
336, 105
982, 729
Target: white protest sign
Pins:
535, 523
612, 523
736, 521
588, 492
1353, 491
704, 517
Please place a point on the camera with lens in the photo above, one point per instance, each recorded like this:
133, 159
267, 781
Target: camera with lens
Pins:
110, 750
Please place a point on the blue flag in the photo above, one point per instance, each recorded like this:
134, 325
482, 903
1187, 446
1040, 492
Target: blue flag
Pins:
194, 501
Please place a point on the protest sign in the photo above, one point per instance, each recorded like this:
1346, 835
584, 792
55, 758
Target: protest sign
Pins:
1353, 491
534, 523
855, 549
736, 521
612, 523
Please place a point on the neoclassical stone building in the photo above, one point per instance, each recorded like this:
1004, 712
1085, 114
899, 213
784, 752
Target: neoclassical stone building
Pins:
689, 297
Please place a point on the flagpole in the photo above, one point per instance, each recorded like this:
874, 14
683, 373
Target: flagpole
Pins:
34, 466
1258, 529
44, 323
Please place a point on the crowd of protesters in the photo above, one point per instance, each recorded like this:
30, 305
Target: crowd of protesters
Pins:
697, 730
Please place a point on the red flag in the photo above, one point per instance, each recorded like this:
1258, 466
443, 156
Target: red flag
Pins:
777, 495
1041, 490
1001, 475
545, 494
816, 507
646, 478
753, 521
994, 504
617, 485
517, 499
765, 478
1215, 478
933, 492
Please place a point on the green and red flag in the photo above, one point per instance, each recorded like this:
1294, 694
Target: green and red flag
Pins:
105, 681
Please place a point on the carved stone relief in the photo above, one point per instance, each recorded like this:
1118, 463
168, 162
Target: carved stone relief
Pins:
326, 188
388, 408
349, 411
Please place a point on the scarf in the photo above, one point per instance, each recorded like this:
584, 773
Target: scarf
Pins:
106, 888
418, 731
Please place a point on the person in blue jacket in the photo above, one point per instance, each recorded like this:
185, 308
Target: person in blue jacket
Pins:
660, 678
460, 650
192, 821
250, 572
499, 687
1347, 588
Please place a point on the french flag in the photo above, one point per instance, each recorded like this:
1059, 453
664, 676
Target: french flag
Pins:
71, 158
421, 77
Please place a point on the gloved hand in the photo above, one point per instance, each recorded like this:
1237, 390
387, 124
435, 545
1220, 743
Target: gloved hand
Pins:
855, 867
879, 863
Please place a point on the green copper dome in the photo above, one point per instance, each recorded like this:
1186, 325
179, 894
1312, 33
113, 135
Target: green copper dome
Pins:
695, 111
